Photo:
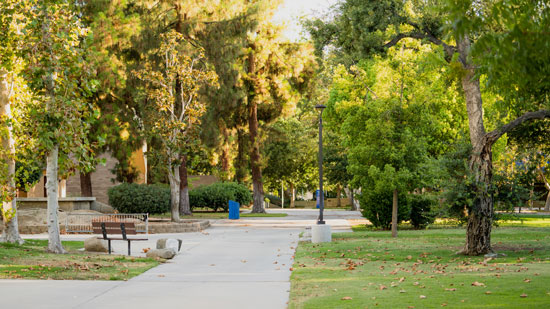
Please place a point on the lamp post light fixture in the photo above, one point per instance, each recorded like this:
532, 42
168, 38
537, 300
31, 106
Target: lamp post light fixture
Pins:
320, 108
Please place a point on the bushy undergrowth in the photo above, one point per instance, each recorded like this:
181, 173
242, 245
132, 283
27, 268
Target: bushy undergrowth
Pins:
217, 195
137, 198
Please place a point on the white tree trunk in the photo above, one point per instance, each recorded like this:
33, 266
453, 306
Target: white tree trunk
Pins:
11, 230
174, 178
54, 240
547, 186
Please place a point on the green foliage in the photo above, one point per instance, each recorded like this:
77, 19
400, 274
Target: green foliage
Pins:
27, 174
421, 210
136, 198
217, 195
275, 200
376, 206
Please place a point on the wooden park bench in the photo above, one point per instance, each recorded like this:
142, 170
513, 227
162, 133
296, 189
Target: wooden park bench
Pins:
116, 228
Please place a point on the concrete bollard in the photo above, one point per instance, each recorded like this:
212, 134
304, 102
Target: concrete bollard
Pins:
321, 233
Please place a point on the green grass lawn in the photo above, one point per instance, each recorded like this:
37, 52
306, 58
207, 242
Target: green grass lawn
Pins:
420, 269
30, 261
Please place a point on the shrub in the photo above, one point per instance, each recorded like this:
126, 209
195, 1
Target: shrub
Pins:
421, 214
136, 198
275, 200
376, 206
217, 195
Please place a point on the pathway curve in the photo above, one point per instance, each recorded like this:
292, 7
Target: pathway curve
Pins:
234, 264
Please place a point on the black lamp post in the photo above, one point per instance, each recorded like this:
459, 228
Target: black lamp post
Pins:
320, 108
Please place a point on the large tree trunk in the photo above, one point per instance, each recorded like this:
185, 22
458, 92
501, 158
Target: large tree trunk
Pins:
54, 240
9, 210
86, 184
394, 215
241, 166
478, 232
174, 179
185, 207
480, 215
225, 153
257, 184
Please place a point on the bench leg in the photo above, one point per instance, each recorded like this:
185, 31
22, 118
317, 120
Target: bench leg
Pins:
109, 246
128, 248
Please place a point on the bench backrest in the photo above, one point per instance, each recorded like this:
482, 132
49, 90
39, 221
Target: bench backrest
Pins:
106, 228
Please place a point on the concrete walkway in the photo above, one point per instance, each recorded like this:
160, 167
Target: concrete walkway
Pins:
234, 264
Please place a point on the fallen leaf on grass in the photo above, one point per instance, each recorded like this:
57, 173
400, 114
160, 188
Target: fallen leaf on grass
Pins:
383, 287
346, 298
527, 280
478, 283
402, 291
488, 292
452, 289
523, 295
422, 296
443, 304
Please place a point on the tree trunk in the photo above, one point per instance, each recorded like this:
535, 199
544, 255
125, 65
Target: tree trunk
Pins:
257, 184
54, 240
241, 167
547, 186
86, 184
185, 207
174, 179
338, 193
225, 154
394, 215
9, 211
480, 215
292, 195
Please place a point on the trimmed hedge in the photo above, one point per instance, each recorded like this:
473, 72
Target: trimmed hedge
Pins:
217, 195
136, 198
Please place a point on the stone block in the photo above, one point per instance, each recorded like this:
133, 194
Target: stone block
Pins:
93, 244
167, 253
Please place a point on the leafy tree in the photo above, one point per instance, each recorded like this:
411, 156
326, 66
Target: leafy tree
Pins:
289, 152
171, 118
57, 76
8, 47
503, 40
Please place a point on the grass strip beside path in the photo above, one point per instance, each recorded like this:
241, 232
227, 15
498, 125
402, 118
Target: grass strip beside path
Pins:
30, 261
420, 269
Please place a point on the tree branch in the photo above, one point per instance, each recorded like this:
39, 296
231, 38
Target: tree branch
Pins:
423, 35
494, 135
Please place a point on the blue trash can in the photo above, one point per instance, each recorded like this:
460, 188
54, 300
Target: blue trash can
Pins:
233, 210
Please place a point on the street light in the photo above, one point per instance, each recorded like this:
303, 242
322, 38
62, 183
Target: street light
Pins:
320, 108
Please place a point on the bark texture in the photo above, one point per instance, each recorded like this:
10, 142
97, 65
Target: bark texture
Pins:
242, 162
394, 215
174, 179
225, 153
257, 185
54, 240
478, 231
11, 231
547, 186
185, 207
86, 184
